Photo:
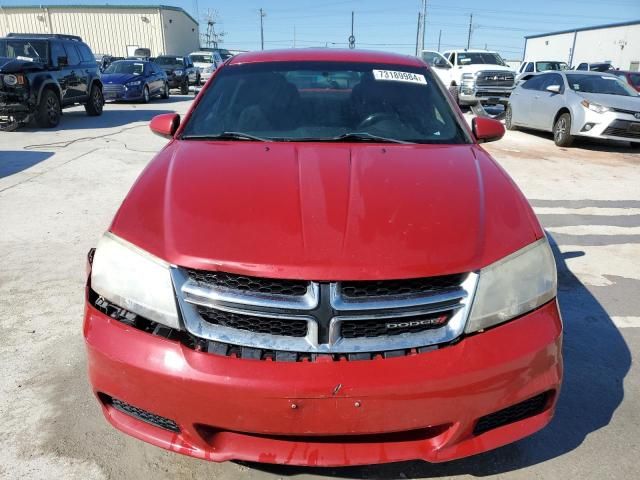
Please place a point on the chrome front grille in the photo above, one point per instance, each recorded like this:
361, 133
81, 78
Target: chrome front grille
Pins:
323, 317
495, 79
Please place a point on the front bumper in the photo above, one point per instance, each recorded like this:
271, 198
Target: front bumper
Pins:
332, 413
130, 93
175, 81
16, 105
610, 125
470, 95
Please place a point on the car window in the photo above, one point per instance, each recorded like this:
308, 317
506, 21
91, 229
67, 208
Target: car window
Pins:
552, 79
202, 58
582, 66
24, 49
529, 67
475, 58
73, 58
57, 51
635, 79
534, 83
85, 54
545, 66
605, 83
126, 67
319, 101
170, 61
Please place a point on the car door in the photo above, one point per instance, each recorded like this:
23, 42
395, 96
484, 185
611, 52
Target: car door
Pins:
547, 103
76, 90
150, 78
522, 101
62, 74
440, 65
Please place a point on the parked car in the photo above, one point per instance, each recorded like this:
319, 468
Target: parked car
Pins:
474, 77
572, 104
206, 63
134, 80
596, 67
632, 78
325, 276
180, 71
223, 52
530, 68
42, 74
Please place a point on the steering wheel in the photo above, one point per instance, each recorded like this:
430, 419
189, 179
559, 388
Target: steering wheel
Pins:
376, 118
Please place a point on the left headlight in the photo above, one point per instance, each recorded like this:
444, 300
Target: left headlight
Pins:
513, 286
177, 72
596, 107
134, 280
134, 83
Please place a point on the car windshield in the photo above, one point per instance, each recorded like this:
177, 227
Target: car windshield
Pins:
607, 84
544, 66
473, 58
170, 61
202, 58
29, 50
132, 68
325, 101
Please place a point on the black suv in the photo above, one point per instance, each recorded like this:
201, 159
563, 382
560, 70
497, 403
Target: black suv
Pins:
180, 71
42, 74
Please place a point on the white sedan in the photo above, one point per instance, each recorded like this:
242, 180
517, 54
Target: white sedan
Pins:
571, 104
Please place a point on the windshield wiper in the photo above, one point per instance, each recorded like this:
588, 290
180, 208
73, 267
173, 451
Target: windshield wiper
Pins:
361, 137
226, 136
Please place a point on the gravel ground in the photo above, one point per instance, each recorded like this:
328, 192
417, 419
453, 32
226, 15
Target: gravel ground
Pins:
59, 190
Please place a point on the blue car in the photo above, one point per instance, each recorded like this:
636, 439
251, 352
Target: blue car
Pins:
134, 80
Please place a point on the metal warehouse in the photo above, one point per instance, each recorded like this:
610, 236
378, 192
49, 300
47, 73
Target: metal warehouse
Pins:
616, 43
110, 29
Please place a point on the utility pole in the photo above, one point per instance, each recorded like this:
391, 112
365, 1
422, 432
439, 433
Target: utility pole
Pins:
352, 38
418, 33
262, 15
439, 37
470, 29
424, 23
212, 38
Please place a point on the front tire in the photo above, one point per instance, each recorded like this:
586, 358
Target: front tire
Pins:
508, 119
95, 104
184, 87
165, 91
562, 131
455, 95
145, 95
48, 111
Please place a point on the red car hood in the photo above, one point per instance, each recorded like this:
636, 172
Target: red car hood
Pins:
326, 211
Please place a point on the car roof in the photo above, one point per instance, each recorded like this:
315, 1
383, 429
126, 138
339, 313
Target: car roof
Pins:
326, 55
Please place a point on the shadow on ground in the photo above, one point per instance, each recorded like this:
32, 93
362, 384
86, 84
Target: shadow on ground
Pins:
12, 162
112, 116
596, 360
590, 144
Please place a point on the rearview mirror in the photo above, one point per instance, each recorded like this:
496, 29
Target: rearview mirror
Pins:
165, 125
553, 88
487, 129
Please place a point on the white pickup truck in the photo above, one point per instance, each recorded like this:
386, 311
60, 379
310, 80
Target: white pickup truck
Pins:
474, 77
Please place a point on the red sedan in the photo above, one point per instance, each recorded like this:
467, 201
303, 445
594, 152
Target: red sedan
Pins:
632, 78
323, 267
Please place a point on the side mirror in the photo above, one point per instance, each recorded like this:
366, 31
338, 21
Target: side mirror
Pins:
165, 125
63, 61
553, 88
487, 129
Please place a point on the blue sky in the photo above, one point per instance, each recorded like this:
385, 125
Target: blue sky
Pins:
391, 24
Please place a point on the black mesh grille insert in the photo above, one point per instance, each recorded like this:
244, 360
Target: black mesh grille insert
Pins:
392, 326
274, 326
251, 284
623, 128
143, 415
412, 286
515, 413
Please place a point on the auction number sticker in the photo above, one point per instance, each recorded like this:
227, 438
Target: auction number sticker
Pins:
395, 76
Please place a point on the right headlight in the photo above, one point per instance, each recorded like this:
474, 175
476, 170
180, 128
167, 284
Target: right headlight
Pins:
134, 280
513, 286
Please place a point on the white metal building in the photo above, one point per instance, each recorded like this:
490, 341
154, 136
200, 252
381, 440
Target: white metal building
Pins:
616, 43
111, 29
